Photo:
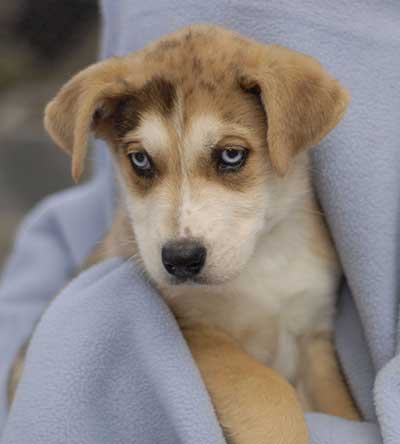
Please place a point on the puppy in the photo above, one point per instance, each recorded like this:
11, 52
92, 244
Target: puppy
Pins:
210, 133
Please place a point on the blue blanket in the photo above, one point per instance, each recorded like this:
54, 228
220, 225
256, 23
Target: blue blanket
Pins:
107, 363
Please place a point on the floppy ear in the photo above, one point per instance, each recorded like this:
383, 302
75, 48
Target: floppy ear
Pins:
69, 117
303, 103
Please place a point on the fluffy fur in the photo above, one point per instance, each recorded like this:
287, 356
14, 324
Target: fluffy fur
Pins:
271, 274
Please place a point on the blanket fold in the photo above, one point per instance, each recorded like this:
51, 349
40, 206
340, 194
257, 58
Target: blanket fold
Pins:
99, 380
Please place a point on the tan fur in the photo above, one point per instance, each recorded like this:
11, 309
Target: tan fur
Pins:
254, 404
322, 378
311, 109
267, 292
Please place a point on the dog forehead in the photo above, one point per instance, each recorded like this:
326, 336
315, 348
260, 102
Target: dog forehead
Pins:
189, 104
202, 132
199, 58
169, 135
190, 81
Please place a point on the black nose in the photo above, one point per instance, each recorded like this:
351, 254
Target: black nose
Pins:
183, 258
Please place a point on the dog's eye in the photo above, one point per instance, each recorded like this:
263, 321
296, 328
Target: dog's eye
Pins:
232, 158
141, 163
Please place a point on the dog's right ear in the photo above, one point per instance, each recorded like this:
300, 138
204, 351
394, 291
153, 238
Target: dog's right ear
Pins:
302, 101
70, 116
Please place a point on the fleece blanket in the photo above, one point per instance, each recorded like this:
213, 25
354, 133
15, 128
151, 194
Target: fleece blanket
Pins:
107, 362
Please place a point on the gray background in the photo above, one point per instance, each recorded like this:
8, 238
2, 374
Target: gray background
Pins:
42, 43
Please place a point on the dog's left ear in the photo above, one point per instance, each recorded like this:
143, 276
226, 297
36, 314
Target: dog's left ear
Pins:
303, 103
71, 115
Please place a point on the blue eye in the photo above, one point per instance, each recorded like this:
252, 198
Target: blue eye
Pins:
232, 158
142, 164
140, 160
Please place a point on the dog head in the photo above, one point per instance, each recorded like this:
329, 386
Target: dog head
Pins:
208, 131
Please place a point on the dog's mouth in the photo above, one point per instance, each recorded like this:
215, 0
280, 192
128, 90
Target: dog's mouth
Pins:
197, 281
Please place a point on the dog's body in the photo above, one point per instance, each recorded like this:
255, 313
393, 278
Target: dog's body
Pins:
218, 208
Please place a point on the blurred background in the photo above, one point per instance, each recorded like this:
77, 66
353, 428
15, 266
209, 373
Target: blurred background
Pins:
42, 43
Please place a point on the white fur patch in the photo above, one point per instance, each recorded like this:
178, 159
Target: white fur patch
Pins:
204, 131
152, 133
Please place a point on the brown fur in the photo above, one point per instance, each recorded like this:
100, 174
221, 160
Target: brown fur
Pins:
304, 102
156, 94
267, 99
